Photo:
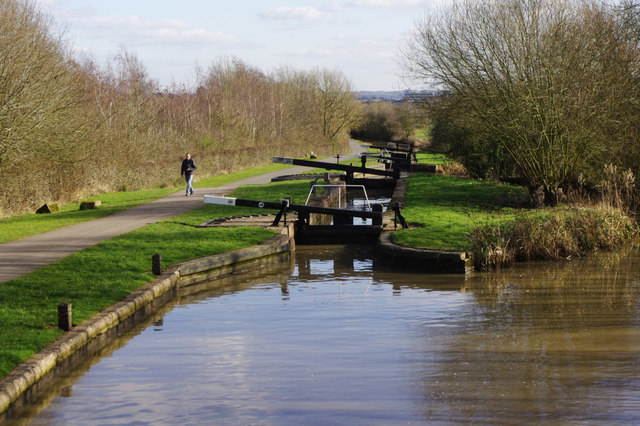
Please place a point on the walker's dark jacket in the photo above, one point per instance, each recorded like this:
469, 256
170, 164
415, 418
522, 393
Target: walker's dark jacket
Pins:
188, 166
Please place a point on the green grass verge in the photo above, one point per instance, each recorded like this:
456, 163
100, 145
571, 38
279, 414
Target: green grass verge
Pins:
445, 209
17, 227
99, 276
243, 174
426, 157
26, 225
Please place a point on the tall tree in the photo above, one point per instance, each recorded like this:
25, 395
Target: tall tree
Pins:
336, 102
552, 82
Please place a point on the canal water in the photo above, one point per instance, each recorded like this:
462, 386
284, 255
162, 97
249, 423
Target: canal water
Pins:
334, 338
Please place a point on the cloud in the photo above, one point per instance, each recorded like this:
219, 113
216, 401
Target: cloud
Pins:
133, 29
164, 31
293, 13
384, 4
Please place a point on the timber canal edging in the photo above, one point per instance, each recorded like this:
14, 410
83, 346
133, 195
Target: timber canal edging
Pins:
27, 379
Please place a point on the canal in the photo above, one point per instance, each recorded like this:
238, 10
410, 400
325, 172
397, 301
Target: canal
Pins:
336, 338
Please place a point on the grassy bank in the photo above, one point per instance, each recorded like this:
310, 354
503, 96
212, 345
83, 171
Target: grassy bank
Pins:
26, 225
444, 210
559, 233
99, 276
493, 222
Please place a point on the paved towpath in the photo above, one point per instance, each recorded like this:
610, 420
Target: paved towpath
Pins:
20, 257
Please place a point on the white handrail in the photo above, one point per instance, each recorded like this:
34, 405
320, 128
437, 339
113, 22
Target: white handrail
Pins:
313, 187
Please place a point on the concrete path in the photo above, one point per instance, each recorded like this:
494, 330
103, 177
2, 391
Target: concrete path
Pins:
23, 256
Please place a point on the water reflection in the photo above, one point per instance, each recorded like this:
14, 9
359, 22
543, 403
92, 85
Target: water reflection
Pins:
546, 342
337, 338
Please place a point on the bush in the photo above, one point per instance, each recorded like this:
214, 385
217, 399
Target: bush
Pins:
561, 234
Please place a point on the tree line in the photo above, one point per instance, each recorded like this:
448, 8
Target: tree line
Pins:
69, 128
548, 90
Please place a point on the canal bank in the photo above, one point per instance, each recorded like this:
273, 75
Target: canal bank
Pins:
418, 259
337, 338
28, 378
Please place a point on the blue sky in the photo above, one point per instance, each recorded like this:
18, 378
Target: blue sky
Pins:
361, 38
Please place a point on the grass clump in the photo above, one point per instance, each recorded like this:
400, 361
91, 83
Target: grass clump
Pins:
99, 276
559, 234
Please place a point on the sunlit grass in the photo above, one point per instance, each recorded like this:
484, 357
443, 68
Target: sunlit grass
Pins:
99, 276
444, 210
436, 159
26, 225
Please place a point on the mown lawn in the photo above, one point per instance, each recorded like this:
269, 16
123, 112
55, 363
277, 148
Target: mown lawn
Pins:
99, 276
443, 210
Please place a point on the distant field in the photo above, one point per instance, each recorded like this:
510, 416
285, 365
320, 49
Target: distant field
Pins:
422, 134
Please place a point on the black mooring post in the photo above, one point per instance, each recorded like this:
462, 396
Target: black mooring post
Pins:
64, 316
156, 264
377, 208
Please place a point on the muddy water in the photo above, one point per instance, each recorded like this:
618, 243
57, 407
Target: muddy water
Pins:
337, 339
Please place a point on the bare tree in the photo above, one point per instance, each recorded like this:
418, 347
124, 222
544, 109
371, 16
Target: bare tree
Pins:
38, 90
336, 102
550, 81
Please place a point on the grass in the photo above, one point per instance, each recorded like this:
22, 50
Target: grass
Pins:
490, 220
243, 174
99, 276
558, 233
26, 225
444, 210
425, 157
17, 227
423, 134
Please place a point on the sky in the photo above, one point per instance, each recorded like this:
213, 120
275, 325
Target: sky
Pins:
173, 38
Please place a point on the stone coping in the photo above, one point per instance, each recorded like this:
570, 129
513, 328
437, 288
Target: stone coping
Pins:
19, 381
432, 261
435, 261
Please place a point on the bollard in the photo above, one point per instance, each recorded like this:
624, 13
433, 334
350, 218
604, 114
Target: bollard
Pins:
156, 264
377, 208
64, 316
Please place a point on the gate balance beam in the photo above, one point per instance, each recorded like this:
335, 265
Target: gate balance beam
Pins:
301, 209
343, 167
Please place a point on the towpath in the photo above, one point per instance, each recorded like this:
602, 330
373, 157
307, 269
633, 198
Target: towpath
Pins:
23, 256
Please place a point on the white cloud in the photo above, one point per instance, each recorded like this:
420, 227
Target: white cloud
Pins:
293, 13
136, 28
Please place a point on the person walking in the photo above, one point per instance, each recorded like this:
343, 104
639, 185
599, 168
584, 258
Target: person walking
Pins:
188, 167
